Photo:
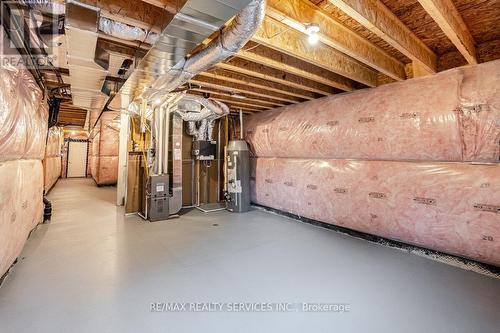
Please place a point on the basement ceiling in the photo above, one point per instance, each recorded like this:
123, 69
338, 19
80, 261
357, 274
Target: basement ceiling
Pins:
279, 67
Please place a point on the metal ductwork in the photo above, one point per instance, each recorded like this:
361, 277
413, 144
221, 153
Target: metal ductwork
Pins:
126, 32
52, 7
195, 22
230, 41
86, 76
201, 122
166, 67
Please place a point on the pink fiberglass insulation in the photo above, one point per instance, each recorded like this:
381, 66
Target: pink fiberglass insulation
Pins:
389, 161
23, 131
450, 207
104, 149
23, 116
21, 206
94, 155
52, 160
451, 116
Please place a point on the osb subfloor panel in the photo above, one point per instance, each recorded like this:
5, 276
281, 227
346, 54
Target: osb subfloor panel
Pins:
94, 270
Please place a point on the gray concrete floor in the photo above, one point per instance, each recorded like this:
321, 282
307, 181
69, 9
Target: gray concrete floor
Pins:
94, 270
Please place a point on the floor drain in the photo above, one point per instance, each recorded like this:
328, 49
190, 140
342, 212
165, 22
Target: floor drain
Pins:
215, 225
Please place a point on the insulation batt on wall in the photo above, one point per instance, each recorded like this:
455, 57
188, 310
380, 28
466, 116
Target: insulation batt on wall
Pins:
103, 157
450, 207
23, 131
52, 159
452, 116
401, 161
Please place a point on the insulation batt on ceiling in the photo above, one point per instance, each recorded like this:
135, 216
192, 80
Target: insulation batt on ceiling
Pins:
23, 130
452, 116
52, 160
103, 157
378, 161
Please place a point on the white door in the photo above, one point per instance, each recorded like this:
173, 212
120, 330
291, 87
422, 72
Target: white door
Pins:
77, 159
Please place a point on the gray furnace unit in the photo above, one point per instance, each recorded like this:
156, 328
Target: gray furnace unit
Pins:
238, 176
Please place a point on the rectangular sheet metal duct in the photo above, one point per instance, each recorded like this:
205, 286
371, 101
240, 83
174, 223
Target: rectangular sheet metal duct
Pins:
196, 21
86, 76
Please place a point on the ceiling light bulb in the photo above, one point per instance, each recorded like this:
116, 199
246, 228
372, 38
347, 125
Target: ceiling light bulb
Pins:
313, 39
158, 100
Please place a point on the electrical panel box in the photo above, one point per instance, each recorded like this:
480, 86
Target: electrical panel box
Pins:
158, 198
204, 150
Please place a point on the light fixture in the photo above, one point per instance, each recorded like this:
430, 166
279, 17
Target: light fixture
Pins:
313, 39
312, 30
158, 100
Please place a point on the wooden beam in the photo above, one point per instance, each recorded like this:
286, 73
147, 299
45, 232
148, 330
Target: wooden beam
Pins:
296, 13
137, 13
263, 102
451, 22
259, 83
294, 43
239, 103
232, 105
263, 55
377, 18
242, 88
266, 73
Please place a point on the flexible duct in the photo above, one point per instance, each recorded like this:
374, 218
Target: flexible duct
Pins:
212, 110
230, 41
126, 32
49, 7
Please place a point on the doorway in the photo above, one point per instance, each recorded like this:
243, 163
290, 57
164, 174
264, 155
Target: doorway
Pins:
77, 159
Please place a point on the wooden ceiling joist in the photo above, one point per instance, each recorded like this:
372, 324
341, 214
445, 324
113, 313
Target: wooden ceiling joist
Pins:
234, 106
296, 13
263, 102
377, 18
254, 101
259, 83
451, 22
294, 43
263, 55
239, 103
266, 73
243, 89
137, 13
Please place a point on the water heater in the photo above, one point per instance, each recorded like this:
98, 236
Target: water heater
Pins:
238, 176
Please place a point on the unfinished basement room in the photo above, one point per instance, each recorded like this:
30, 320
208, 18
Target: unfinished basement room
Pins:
250, 166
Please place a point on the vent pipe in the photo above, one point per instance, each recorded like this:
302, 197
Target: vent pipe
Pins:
230, 41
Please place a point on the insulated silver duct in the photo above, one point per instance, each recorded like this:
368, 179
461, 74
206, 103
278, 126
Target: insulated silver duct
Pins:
230, 41
126, 32
211, 111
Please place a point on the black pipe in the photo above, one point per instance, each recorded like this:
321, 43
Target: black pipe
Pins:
47, 212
